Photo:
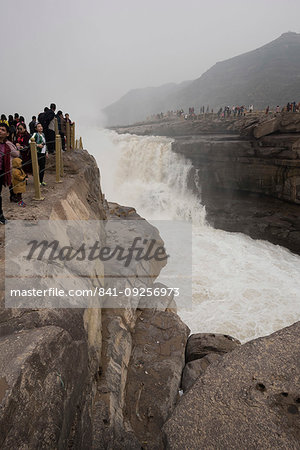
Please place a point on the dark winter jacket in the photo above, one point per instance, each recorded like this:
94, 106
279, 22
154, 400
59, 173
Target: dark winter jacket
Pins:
49, 115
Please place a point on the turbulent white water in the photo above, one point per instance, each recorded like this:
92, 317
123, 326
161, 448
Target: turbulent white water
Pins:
241, 287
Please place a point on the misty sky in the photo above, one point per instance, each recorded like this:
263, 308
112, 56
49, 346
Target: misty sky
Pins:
85, 55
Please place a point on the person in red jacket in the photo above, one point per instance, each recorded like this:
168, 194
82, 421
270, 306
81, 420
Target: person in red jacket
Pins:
5, 165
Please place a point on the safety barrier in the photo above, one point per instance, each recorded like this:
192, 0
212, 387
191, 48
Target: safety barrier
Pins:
75, 144
71, 144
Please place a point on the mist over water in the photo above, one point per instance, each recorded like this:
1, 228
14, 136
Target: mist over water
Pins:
242, 287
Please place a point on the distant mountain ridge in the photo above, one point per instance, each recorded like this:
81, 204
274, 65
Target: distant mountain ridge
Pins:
138, 104
269, 75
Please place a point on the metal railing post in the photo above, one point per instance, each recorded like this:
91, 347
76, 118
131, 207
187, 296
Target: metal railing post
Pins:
58, 158
73, 135
56, 126
68, 135
74, 130
61, 163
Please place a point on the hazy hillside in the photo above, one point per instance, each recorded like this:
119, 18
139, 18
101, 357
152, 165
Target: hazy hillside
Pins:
138, 104
269, 75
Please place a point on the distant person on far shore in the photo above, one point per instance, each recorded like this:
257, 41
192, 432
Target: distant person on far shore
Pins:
277, 109
32, 125
267, 109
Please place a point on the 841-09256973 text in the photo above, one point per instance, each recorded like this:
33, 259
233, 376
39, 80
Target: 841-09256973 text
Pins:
141, 292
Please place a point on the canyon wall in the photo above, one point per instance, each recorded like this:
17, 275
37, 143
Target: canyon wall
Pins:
248, 186
64, 371
48, 356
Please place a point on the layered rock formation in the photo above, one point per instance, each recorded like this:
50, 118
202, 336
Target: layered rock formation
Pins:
68, 376
140, 345
49, 356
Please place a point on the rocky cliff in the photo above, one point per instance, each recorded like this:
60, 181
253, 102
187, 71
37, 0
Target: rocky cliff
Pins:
246, 171
68, 376
109, 378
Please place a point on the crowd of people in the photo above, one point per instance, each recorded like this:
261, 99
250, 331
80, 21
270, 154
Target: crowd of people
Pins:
223, 112
15, 154
290, 107
236, 110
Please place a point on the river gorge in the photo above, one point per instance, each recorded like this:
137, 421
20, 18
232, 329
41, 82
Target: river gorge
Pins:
241, 286
101, 375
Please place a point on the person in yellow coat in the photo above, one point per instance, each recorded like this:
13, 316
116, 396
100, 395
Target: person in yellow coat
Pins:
18, 181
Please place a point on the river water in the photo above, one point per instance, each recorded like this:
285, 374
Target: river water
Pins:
243, 287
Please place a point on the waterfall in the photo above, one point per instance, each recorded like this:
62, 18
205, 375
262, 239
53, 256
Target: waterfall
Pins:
155, 179
243, 287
